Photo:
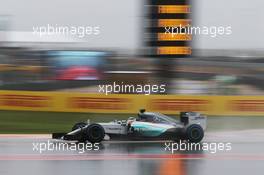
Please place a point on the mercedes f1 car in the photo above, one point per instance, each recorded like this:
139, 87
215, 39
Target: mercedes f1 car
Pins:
147, 126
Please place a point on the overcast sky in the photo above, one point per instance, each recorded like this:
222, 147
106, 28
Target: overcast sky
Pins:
246, 17
120, 21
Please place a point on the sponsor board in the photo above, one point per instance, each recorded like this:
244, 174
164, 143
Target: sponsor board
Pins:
121, 103
18, 100
99, 104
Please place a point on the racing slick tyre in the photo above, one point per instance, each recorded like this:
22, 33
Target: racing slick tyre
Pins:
94, 133
194, 133
78, 125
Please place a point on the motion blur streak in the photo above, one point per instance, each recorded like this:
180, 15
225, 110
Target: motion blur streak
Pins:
172, 167
105, 157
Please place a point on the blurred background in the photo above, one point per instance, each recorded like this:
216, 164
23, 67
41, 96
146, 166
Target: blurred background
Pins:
220, 76
223, 65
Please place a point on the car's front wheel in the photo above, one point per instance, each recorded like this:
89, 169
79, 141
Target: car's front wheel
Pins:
94, 133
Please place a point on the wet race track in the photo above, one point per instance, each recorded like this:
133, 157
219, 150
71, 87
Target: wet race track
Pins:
18, 156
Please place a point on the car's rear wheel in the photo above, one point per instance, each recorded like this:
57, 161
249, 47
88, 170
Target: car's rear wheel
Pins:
194, 133
94, 133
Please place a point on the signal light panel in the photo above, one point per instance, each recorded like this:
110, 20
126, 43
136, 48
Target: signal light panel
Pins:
173, 9
164, 14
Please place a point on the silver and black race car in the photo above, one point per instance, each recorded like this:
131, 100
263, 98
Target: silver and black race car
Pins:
146, 126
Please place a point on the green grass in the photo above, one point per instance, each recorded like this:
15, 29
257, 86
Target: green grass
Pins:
49, 122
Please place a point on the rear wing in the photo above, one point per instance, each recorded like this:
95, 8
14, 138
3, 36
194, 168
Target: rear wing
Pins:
188, 118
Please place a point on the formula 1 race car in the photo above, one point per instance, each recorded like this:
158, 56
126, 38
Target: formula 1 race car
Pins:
147, 126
